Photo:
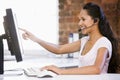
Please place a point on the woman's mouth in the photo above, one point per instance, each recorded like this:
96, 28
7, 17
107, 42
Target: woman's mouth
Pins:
83, 27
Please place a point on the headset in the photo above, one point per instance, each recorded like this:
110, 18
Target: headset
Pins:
95, 20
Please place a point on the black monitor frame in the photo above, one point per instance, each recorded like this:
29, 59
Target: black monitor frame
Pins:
12, 38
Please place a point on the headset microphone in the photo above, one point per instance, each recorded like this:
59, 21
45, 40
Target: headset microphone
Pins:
95, 20
91, 25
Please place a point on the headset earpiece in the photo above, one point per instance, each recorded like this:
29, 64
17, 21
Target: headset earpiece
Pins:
95, 20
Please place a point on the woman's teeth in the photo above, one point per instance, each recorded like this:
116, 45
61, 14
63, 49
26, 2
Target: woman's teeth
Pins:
82, 27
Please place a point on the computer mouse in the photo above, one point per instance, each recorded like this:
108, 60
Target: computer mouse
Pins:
46, 74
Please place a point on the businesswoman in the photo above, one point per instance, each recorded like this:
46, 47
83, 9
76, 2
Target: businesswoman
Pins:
96, 51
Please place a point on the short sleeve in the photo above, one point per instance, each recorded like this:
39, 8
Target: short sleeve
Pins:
104, 42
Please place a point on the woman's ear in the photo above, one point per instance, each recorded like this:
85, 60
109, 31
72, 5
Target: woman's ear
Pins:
96, 20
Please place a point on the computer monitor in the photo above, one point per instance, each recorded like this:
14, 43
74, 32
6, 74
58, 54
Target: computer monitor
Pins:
11, 35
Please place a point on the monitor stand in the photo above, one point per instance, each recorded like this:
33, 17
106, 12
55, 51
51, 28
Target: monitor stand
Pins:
1, 55
9, 57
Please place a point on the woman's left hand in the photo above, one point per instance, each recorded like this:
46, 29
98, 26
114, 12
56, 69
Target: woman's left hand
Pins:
52, 68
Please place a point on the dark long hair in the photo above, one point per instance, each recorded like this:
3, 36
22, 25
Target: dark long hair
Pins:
105, 29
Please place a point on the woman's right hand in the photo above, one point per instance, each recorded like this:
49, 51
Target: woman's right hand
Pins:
28, 35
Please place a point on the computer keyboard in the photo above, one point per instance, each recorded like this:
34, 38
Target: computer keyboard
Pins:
36, 72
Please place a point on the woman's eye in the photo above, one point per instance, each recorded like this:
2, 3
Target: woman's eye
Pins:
83, 19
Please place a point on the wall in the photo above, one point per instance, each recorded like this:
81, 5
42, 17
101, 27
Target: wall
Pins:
69, 9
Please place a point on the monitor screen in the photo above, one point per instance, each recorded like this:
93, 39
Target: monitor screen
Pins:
11, 34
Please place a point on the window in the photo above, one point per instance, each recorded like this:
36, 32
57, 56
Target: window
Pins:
38, 16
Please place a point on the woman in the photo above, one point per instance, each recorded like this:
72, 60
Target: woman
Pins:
96, 49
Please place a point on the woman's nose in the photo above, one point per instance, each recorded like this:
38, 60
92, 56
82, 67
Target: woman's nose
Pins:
80, 23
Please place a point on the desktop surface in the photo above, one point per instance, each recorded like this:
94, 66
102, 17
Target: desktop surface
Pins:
38, 60
65, 77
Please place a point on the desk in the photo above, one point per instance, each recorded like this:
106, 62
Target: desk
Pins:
66, 77
42, 60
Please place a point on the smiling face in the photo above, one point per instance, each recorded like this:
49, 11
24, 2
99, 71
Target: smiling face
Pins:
86, 22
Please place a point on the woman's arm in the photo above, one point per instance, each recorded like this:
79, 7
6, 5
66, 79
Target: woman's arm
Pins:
57, 49
91, 69
60, 49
